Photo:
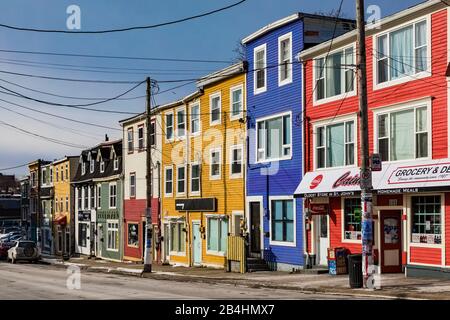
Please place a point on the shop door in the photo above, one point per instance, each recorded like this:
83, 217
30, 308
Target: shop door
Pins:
323, 240
100, 240
391, 241
166, 242
196, 244
255, 228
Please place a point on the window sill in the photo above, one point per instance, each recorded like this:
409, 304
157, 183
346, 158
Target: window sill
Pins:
236, 176
334, 98
351, 241
216, 123
408, 78
282, 243
181, 195
132, 246
214, 178
194, 193
425, 245
178, 254
236, 117
258, 91
168, 195
275, 160
334, 168
284, 82
112, 250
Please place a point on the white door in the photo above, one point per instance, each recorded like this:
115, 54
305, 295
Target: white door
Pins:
322, 233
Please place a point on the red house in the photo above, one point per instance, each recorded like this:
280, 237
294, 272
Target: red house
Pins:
408, 92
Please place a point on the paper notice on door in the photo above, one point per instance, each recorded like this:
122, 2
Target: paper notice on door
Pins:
391, 231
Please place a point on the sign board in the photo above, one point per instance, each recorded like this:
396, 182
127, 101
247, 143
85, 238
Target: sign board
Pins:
204, 204
84, 216
318, 208
375, 162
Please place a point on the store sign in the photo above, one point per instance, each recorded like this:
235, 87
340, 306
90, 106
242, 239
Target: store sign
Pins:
84, 216
318, 208
206, 204
375, 162
420, 174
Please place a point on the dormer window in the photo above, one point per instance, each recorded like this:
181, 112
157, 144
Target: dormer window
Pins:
116, 164
91, 165
102, 166
83, 168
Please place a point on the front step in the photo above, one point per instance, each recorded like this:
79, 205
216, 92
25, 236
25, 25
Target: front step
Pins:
255, 265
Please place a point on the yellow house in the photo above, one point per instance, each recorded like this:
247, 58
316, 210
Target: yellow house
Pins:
63, 171
203, 169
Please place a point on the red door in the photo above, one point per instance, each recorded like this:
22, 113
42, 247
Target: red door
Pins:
391, 241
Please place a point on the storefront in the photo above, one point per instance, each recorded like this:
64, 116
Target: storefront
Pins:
410, 207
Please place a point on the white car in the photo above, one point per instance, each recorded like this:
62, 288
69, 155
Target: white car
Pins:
24, 250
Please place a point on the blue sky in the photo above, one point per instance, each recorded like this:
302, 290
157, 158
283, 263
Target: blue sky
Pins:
209, 38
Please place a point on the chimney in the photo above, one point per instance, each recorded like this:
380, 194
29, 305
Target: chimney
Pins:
106, 137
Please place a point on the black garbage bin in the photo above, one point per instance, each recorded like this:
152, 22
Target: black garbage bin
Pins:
355, 270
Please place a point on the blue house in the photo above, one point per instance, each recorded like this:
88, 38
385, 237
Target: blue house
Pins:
274, 121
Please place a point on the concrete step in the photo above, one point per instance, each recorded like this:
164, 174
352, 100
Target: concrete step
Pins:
255, 264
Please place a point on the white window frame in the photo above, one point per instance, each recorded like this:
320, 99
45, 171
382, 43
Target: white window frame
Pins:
132, 174
343, 240
289, 79
232, 90
195, 193
283, 243
102, 166
130, 141
185, 180
83, 168
211, 97
191, 106
343, 94
402, 107
255, 50
141, 128
167, 140
116, 164
114, 230
219, 176
99, 196
234, 214
406, 78
232, 148
178, 136
215, 216
264, 160
91, 165
111, 196
167, 194
177, 253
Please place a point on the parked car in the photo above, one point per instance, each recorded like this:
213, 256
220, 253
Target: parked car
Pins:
11, 238
10, 234
24, 250
4, 247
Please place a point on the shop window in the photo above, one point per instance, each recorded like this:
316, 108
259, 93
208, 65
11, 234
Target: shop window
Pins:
352, 219
113, 236
426, 219
82, 234
177, 237
133, 235
217, 234
282, 219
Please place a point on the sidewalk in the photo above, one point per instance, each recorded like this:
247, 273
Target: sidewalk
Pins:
392, 285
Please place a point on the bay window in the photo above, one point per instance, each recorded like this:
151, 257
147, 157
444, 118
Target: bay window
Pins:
402, 52
426, 219
335, 145
282, 220
352, 219
335, 75
403, 134
274, 138
217, 234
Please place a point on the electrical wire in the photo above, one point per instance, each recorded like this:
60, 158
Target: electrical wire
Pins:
15, 167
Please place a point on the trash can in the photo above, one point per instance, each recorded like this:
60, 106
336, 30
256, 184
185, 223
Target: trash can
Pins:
355, 271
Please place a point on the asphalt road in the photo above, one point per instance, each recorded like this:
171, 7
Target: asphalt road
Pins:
36, 281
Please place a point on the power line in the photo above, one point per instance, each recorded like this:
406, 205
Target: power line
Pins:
125, 29
15, 167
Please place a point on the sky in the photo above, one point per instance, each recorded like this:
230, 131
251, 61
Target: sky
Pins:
209, 38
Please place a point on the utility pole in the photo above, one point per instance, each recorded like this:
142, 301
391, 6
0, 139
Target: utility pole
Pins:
366, 173
148, 213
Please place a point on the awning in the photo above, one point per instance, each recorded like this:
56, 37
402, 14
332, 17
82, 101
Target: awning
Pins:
61, 220
395, 178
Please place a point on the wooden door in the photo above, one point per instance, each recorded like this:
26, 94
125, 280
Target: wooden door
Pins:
391, 241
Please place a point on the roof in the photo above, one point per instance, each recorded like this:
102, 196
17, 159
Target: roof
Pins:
370, 28
64, 159
227, 72
283, 21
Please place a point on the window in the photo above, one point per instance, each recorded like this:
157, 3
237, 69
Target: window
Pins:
215, 164
195, 178
67, 171
426, 219
403, 134
215, 105
86, 198
335, 75
112, 196
62, 174
130, 140
113, 236
133, 235
217, 234
79, 198
169, 126
236, 97
195, 119
83, 168
99, 196
181, 123
102, 166
260, 73
152, 134
67, 204
236, 161
132, 185
274, 138
92, 196
82, 234
335, 145
57, 174
282, 220
116, 164
169, 181
51, 175
177, 237
91, 166
285, 59
141, 136
237, 221
402, 52
181, 180
352, 219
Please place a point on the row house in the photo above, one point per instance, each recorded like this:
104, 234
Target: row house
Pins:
64, 171
135, 185
46, 195
98, 184
203, 163
407, 60
275, 148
